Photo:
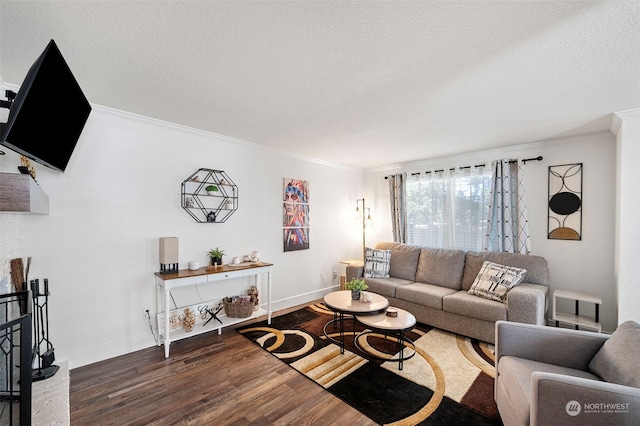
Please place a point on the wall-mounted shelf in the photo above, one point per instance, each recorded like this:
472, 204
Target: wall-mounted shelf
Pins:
209, 206
21, 194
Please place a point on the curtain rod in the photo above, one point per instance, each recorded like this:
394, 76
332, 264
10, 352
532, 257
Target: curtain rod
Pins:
524, 161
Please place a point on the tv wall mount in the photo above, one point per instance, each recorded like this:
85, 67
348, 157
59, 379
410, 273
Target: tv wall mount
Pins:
11, 95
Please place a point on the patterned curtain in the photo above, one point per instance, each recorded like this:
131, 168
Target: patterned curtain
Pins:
508, 226
398, 203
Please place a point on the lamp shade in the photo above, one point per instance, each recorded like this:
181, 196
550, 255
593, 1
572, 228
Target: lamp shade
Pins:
168, 250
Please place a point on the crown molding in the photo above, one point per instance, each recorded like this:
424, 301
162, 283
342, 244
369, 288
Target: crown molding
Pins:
100, 109
618, 118
198, 132
488, 154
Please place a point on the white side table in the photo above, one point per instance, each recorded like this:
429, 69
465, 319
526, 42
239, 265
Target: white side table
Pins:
343, 276
576, 319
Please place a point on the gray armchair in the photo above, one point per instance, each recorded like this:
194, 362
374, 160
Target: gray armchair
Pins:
556, 376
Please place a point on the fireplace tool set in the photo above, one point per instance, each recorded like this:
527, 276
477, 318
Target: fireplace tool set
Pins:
43, 349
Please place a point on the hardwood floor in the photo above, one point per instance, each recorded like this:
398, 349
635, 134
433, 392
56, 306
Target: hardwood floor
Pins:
207, 380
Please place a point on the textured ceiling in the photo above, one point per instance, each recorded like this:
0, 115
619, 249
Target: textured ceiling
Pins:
360, 83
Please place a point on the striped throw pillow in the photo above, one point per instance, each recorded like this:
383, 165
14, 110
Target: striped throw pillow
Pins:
377, 263
494, 281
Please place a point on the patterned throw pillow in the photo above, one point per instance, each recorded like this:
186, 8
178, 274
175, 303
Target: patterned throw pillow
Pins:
376, 263
494, 281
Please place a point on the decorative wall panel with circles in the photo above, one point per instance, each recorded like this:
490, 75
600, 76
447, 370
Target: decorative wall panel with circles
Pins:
565, 202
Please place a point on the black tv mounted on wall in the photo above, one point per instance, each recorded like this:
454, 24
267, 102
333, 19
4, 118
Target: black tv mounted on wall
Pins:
48, 113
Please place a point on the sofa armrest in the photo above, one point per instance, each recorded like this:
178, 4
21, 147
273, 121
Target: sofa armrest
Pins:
558, 399
558, 346
355, 270
527, 303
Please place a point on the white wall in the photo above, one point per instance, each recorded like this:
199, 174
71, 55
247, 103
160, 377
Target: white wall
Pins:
9, 222
628, 206
121, 192
586, 265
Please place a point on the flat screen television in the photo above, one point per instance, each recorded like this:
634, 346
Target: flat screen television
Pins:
48, 113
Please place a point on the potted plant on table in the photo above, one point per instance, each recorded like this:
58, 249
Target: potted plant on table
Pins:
211, 189
216, 256
356, 285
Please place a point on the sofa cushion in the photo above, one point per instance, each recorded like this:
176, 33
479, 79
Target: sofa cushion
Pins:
441, 267
385, 286
536, 266
494, 281
468, 305
424, 294
404, 259
515, 380
376, 263
616, 361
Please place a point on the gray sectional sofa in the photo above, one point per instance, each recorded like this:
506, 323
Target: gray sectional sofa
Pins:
433, 285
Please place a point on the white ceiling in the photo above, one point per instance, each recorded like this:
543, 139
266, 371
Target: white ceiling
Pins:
360, 83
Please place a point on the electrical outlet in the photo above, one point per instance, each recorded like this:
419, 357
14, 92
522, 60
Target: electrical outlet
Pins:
323, 276
335, 275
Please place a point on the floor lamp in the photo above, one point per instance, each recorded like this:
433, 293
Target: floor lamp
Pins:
366, 219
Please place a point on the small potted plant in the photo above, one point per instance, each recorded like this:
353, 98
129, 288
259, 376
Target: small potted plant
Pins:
211, 189
216, 256
356, 285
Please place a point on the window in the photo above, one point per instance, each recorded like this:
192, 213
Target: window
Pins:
449, 209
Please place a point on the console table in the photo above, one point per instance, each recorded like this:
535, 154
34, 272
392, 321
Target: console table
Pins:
185, 277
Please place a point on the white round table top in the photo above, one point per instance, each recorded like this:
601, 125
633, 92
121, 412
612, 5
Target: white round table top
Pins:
403, 321
340, 301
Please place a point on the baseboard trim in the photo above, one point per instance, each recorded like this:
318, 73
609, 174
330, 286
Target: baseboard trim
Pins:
122, 347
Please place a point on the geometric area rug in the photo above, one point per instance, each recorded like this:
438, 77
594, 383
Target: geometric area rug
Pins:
448, 381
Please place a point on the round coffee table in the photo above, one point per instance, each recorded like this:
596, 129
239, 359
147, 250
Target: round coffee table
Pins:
389, 326
341, 304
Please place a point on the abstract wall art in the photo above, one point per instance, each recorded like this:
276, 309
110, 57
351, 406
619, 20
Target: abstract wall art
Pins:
296, 214
565, 202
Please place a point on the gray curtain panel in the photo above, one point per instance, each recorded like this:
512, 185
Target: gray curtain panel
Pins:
398, 204
508, 229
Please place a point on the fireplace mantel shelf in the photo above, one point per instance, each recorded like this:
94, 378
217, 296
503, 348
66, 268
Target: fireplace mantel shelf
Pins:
21, 194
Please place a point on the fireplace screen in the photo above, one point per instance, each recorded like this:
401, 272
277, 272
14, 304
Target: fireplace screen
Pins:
15, 359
